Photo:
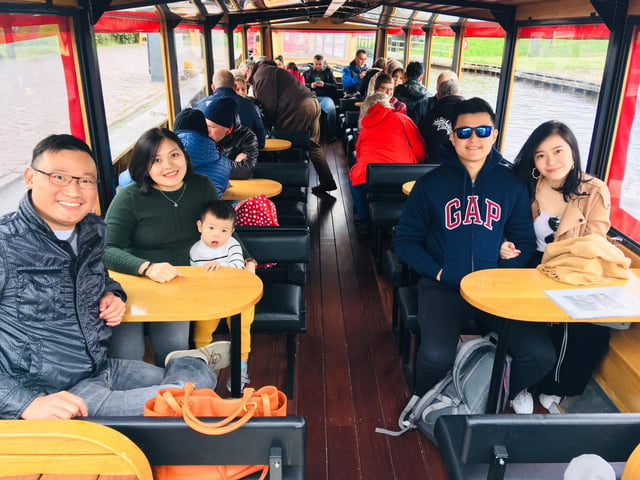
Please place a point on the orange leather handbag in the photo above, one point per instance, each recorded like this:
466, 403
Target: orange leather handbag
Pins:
190, 404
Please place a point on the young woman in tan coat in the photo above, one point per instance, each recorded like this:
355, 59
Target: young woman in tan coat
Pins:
565, 203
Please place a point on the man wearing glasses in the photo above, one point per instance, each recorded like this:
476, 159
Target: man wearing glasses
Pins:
453, 223
58, 304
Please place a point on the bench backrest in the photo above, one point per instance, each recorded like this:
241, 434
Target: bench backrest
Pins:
277, 244
395, 174
468, 441
169, 441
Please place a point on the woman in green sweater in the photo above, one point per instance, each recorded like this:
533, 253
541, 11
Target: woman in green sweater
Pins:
152, 225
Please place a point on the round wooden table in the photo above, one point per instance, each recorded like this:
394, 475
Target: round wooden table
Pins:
196, 295
408, 186
519, 294
243, 189
276, 145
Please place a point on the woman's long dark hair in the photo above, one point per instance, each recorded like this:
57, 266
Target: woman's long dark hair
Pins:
145, 150
525, 162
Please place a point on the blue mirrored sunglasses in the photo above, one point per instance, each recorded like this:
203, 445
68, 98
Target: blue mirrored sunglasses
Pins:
483, 131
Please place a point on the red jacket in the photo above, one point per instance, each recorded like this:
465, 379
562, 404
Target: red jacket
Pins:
386, 137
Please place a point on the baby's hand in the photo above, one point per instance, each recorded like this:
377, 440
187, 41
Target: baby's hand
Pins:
211, 266
508, 251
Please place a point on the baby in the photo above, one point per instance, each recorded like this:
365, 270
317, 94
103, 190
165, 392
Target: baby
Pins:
216, 249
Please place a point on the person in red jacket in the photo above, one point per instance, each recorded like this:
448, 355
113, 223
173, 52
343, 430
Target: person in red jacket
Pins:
385, 137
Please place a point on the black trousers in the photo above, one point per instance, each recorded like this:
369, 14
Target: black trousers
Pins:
579, 349
443, 312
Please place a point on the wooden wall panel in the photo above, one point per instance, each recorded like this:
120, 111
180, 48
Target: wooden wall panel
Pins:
550, 9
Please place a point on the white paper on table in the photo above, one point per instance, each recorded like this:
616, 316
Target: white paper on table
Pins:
600, 302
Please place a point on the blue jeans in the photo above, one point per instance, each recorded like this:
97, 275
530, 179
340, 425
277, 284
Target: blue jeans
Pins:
127, 340
360, 205
329, 108
124, 386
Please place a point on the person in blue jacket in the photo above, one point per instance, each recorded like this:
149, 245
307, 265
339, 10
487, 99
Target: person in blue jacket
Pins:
223, 86
191, 128
453, 223
353, 73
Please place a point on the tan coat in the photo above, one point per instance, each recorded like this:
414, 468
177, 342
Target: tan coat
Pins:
584, 215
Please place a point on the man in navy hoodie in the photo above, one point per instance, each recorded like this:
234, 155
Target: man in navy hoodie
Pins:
452, 224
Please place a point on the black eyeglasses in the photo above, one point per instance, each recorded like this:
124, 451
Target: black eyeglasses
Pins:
86, 183
483, 131
553, 225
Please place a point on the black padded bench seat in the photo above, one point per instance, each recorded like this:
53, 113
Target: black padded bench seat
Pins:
536, 446
169, 441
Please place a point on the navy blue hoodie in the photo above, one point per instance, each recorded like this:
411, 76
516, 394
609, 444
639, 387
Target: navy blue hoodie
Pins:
452, 223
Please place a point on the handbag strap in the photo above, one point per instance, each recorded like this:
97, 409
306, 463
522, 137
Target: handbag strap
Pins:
223, 426
168, 397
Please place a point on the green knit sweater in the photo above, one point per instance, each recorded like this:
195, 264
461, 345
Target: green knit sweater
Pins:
148, 227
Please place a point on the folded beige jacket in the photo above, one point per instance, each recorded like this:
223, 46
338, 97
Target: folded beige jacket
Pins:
585, 260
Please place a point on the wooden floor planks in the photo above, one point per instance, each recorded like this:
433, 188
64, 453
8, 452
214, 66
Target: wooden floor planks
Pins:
348, 373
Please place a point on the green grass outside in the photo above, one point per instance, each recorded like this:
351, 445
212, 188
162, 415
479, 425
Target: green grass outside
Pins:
583, 58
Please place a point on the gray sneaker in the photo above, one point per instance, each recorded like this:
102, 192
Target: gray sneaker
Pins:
216, 355
244, 377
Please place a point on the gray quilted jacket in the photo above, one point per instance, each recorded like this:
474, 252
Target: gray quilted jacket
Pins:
50, 333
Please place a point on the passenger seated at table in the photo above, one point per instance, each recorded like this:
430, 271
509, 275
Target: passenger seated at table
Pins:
293, 69
217, 249
389, 67
238, 143
565, 203
413, 93
377, 67
223, 85
191, 128
384, 84
59, 305
436, 127
453, 223
152, 225
385, 137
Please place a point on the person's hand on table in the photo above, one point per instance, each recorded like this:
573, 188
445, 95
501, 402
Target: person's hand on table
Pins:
250, 265
162, 272
240, 157
111, 308
211, 266
60, 405
508, 251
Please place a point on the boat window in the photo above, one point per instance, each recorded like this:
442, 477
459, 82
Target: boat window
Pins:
558, 72
37, 66
338, 48
624, 172
219, 48
482, 49
189, 41
416, 52
132, 75
442, 41
395, 45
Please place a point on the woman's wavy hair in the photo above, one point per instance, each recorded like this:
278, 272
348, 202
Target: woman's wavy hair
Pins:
525, 163
145, 150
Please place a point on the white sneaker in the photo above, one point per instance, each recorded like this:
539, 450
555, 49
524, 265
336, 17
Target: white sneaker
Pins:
216, 355
244, 377
547, 401
523, 403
